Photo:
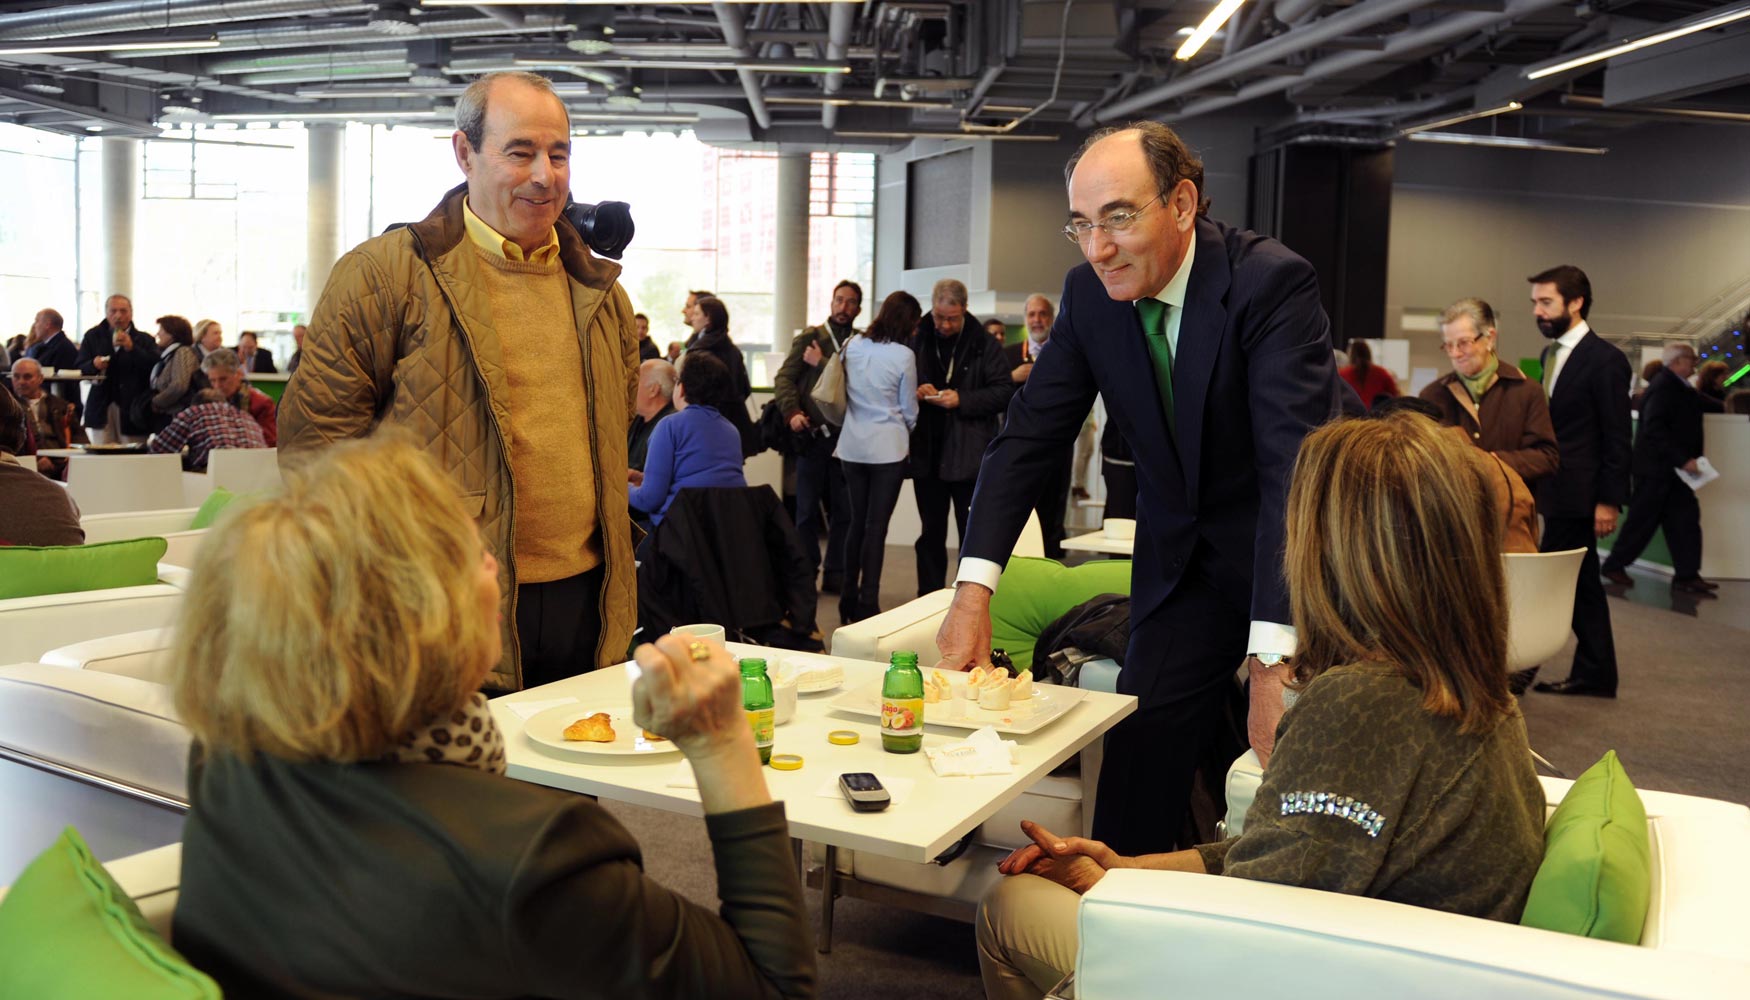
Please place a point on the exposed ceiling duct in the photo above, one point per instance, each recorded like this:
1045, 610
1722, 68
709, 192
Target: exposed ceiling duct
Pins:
120, 16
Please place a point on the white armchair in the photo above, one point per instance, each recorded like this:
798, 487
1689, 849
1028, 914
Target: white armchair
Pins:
30, 626
140, 655
1145, 933
102, 752
182, 542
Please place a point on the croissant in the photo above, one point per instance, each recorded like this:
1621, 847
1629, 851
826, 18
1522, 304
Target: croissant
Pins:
598, 728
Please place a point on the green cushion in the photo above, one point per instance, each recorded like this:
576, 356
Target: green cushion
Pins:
70, 931
1596, 878
1034, 593
30, 570
215, 502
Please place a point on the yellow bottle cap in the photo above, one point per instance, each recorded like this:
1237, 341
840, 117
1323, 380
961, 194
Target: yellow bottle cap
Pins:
843, 737
787, 762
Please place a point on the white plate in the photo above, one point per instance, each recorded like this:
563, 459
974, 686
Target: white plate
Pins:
834, 672
1021, 717
548, 728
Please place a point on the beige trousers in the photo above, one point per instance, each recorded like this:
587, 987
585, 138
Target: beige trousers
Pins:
1026, 929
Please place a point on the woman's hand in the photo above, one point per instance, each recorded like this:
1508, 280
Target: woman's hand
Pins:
1072, 862
635, 477
690, 692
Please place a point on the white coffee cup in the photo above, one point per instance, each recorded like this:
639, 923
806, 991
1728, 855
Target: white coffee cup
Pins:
783, 700
703, 631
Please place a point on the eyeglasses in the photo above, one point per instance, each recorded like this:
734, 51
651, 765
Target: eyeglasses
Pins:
1080, 231
1460, 346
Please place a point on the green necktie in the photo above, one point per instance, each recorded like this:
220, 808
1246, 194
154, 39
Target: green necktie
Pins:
1160, 351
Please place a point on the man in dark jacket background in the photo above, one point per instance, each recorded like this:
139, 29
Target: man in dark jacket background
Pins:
1054, 495
964, 385
117, 350
1669, 438
819, 477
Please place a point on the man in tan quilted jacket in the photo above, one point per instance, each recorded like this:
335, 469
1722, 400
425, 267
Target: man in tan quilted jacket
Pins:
491, 335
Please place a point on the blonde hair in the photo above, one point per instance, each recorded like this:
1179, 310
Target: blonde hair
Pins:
1394, 557
330, 620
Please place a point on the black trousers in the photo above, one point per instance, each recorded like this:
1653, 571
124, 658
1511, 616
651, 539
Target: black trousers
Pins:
933, 497
1595, 659
1051, 503
820, 478
558, 624
874, 491
1180, 666
1661, 500
1120, 488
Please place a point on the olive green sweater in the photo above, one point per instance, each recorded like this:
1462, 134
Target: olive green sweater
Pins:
1411, 811
435, 880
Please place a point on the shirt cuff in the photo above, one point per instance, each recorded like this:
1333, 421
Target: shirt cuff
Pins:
980, 571
1270, 637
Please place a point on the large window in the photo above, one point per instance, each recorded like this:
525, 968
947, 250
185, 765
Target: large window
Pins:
37, 238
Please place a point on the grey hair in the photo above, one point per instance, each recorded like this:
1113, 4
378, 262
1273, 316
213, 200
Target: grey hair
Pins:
948, 292
223, 359
471, 106
660, 372
1480, 314
1674, 351
1049, 308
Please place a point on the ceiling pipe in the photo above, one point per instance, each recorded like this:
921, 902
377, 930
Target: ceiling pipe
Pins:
1437, 34
121, 16
735, 36
294, 35
1268, 51
304, 60
503, 15
838, 42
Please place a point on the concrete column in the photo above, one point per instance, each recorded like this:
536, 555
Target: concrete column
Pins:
121, 190
790, 293
322, 235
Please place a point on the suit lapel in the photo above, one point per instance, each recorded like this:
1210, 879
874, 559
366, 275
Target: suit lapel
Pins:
1200, 333
1122, 346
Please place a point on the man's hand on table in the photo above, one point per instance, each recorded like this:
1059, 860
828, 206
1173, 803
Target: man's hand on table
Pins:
1073, 862
964, 638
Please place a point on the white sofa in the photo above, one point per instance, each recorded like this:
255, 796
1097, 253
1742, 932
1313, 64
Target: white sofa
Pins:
98, 751
182, 542
140, 655
30, 626
1146, 933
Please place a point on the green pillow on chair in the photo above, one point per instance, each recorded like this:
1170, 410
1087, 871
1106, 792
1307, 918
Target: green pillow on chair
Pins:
70, 931
1033, 593
215, 502
32, 571
1596, 879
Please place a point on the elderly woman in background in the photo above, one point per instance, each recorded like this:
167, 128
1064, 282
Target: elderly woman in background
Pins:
695, 446
209, 336
351, 830
172, 382
881, 381
711, 335
1403, 713
1500, 410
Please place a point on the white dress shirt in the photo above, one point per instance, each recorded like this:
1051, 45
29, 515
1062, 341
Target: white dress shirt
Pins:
1564, 347
1264, 637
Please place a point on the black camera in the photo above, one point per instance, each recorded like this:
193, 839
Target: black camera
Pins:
606, 225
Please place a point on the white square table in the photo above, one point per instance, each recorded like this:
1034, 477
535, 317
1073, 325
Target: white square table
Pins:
922, 823
1096, 541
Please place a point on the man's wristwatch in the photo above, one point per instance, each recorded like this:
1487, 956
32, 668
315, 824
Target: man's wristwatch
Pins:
1268, 660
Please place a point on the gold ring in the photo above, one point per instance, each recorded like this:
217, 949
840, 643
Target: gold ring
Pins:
698, 651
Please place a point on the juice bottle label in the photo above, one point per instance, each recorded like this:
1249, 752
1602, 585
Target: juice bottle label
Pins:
902, 716
761, 720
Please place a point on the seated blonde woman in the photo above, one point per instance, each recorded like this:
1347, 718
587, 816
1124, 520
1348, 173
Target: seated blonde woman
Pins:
1403, 722
352, 832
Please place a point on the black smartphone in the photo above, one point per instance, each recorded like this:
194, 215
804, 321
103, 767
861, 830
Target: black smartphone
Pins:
864, 791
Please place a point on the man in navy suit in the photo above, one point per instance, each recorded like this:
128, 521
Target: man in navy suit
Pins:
53, 350
1213, 354
1587, 380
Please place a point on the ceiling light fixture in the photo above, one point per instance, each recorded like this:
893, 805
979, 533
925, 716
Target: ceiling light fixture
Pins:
624, 96
864, 102
1703, 23
1466, 117
89, 44
1205, 31
427, 76
591, 40
38, 83
392, 19
1505, 142
1678, 110
1011, 137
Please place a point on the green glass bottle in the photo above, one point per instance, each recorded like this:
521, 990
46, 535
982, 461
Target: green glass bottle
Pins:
902, 705
756, 700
